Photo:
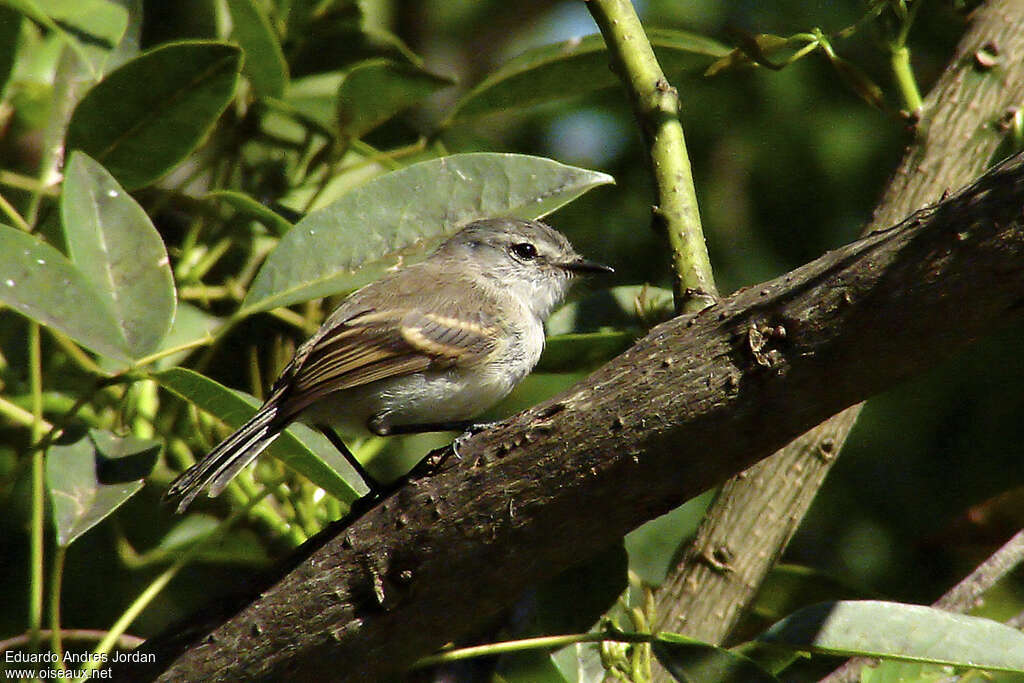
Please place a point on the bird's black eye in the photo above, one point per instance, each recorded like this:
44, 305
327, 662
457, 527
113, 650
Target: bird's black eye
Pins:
524, 250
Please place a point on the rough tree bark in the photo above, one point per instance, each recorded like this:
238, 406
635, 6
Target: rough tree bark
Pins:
560, 482
960, 125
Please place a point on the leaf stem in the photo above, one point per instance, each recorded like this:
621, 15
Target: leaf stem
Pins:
656, 104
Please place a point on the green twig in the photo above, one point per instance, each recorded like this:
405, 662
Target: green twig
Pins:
13, 214
35, 604
56, 581
656, 104
899, 61
540, 643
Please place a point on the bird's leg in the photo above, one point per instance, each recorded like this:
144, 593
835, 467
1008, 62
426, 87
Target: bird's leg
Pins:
376, 490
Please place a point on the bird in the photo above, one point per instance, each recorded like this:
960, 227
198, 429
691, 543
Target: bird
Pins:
428, 347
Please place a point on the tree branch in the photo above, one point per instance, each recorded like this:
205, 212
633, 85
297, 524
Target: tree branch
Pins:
559, 482
753, 517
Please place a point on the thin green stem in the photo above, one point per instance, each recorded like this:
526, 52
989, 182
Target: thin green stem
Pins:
13, 214
35, 604
19, 415
899, 60
56, 581
153, 357
540, 643
23, 182
656, 104
159, 583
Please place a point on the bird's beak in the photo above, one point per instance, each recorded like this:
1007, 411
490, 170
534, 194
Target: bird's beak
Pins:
582, 265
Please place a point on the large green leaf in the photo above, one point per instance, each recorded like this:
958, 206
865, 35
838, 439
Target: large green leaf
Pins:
399, 216
873, 628
573, 68
372, 92
39, 282
692, 661
264, 61
113, 243
83, 479
301, 448
150, 113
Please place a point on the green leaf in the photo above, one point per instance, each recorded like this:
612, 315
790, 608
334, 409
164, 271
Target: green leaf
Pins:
113, 243
248, 206
301, 448
653, 545
264, 61
40, 283
906, 672
153, 111
191, 324
123, 458
372, 92
91, 27
82, 494
573, 68
399, 216
872, 628
573, 601
695, 662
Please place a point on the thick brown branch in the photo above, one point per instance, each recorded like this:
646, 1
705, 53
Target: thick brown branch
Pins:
558, 483
755, 515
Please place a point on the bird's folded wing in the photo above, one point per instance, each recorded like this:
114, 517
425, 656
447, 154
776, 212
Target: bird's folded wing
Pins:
373, 345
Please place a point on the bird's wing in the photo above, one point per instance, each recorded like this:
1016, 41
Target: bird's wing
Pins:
374, 344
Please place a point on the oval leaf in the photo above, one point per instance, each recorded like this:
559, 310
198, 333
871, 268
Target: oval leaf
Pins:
150, 113
871, 628
402, 214
573, 68
113, 243
372, 92
39, 282
81, 498
301, 448
264, 61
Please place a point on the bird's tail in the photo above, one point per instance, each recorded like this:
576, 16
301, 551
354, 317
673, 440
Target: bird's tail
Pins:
220, 465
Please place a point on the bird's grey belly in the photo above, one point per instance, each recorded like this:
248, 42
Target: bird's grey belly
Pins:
420, 398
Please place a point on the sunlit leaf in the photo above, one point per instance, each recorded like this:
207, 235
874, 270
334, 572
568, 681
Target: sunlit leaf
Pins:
114, 244
264, 61
41, 283
399, 216
301, 448
871, 628
82, 489
573, 68
153, 111
372, 92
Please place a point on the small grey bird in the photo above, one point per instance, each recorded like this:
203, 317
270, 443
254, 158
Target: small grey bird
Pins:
426, 348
